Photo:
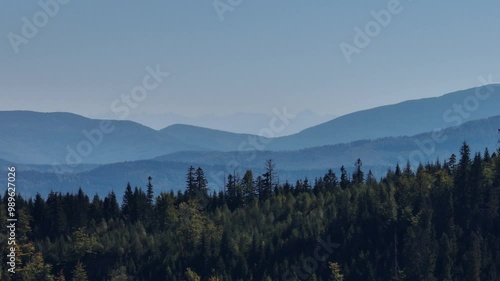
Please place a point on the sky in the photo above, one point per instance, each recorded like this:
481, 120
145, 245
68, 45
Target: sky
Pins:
240, 56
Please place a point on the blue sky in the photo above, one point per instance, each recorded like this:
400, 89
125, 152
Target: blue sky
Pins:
263, 55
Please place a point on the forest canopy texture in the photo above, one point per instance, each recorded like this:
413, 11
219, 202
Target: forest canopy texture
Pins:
437, 221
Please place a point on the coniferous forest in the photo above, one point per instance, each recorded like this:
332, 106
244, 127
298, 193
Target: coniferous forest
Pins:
437, 221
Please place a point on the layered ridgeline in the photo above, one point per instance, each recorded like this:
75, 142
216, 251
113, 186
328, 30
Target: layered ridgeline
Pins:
169, 170
403, 119
65, 138
48, 138
382, 152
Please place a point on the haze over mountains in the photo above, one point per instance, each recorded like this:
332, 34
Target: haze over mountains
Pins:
253, 122
42, 143
169, 170
384, 152
402, 119
65, 138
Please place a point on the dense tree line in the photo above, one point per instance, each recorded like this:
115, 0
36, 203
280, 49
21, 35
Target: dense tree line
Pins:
439, 221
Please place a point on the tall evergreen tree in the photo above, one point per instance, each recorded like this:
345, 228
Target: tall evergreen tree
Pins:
150, 193
330, 180
128, 204
191, 182
358, 176
344, 178
79, 273
231, 192
269, 179
110, 206
201, 183
463, 186
248, 187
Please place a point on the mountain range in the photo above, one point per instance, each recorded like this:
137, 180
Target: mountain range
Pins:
65, 138
168, 171
45, 147
254, 122
402, 119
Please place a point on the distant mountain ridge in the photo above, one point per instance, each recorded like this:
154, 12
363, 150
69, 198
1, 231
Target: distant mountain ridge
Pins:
207, 139
402, 119
252, 122
47, 138
385, 152
65, 138
168, 171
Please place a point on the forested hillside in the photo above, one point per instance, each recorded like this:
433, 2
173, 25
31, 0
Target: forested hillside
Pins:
438, 221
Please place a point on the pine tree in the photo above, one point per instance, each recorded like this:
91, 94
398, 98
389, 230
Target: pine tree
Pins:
344, 178
452, 162
59, 221
259, 187
96, 208
269, 179
80, 209
330, 180
110, 206
248, 187
150, 193
128, 202
463, 186
407, 171
370, 178
358, 177
39, 215
397, 172
201, 189
79, 273
487, 156
191, 182
231, 192
336, 274
139, 208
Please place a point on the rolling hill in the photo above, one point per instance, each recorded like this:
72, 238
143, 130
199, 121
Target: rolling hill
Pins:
168, 171
64, 138
382, 152
403, 119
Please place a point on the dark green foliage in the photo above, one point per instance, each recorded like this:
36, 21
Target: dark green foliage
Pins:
438, 222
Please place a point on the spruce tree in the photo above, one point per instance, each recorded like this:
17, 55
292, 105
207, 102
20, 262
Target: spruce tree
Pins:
358, 176
79, 273
330, 180
201, 183
191, 182
150, 193
128, 198
344, 178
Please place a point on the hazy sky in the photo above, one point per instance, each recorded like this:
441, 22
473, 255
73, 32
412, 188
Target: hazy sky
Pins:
262, 55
